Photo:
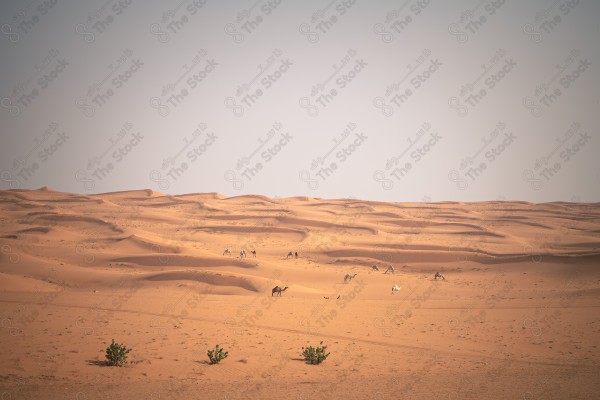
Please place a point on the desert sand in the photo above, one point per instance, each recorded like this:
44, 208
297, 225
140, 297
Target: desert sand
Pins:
517, 316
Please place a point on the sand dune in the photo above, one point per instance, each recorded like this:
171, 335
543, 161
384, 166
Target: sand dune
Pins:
211, 279
325, 225
75, 221
135, 244
36, 229
207, 196
252, 199
515, 317
131, 194
177, 260
290, 234
15, 283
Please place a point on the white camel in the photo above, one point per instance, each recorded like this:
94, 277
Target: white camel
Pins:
242, 253
227, 251
438, 275
290, 254
253, 253
395, 289
389, 269
348, 277
375, 267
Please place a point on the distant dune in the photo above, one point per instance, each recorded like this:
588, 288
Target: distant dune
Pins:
515, 317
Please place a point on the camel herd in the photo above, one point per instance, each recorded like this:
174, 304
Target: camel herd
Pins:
389, 269
228, 252
347, 278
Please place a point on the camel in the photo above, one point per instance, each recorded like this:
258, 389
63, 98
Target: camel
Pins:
395, 289
227, 251
375, 267
242, 253
253, 253
278, 290
438, 276
296, 255
389, 269
348, 277
290, 254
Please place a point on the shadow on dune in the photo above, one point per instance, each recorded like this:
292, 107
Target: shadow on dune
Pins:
97, 363
185, 261
211, 279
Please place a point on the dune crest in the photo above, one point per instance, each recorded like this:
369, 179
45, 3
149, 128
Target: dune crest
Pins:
516, 297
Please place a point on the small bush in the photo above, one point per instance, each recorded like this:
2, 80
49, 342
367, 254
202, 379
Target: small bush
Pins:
315, 355
116, 354
215, 356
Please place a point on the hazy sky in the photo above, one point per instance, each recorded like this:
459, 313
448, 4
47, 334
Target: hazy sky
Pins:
385, 100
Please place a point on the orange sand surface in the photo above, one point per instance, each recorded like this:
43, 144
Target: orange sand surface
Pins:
517, 316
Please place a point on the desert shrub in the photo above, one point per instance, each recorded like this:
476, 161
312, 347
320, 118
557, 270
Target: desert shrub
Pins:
217, 354
315, 355
116, 354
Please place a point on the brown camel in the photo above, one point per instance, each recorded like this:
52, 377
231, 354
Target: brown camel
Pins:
278, 290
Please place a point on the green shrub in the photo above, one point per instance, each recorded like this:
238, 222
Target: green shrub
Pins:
315, 355
116, 354
215, 356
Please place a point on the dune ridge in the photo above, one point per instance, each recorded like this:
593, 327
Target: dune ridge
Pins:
518, 300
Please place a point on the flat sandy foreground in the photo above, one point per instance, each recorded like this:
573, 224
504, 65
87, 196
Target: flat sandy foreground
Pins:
517, 317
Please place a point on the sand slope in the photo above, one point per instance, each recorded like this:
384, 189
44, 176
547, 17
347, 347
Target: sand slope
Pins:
516, 317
